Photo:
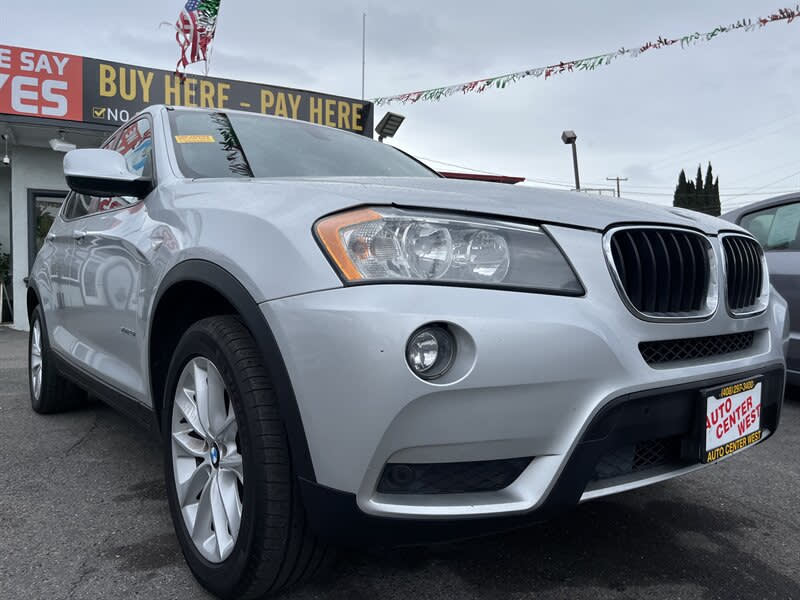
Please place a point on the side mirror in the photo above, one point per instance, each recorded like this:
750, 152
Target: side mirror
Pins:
103, 173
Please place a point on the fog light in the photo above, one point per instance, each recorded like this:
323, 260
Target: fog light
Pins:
430, 352
400, 476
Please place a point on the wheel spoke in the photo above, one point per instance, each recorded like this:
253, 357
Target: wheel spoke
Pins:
201, 528
190, 445
228, 430
217, 413
224, 538
229, 492
189, 488
185, 403
233, 463
201, 395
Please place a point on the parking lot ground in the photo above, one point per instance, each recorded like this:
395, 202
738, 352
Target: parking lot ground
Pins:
83, 515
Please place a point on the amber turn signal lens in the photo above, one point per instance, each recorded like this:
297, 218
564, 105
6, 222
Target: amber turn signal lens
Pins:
329, 233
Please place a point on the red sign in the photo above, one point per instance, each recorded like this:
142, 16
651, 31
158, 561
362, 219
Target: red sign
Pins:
34, 83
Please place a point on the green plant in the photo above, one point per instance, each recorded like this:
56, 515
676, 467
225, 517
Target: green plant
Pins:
698, 195
5, 265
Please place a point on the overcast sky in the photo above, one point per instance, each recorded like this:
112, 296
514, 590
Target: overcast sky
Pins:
734, 101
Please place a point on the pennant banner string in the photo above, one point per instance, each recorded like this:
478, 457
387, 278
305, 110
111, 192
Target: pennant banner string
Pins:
591, 63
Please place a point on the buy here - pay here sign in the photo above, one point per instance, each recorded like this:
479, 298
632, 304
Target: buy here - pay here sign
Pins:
52, 85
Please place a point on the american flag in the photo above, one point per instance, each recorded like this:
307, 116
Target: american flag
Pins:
196, 27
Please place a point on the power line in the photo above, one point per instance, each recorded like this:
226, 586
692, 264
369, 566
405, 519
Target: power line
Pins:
770, 184
441, 162
673, 158
639, 190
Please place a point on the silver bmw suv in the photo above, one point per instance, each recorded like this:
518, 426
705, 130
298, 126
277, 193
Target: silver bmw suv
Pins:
338, 346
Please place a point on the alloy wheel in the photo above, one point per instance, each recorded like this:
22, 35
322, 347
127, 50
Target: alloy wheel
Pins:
206, 462
36, 359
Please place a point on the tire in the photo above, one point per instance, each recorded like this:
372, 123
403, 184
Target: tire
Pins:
50, 392
273, 547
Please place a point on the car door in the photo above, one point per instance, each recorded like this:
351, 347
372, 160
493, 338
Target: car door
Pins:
778, 230
53, 274
112, 245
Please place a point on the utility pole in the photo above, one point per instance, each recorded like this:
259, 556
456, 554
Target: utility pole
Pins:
363, 55
617, 179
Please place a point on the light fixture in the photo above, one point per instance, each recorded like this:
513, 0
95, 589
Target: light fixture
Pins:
430, 352
59, 144
6, 157
570, 138
389, 125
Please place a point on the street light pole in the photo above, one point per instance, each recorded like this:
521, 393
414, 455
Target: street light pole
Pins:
569, 137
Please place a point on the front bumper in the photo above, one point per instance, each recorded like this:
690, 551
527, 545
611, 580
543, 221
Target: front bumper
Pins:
536, 372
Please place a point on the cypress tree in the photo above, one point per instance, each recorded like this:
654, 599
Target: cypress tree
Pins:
717, 205
700, 195
699, 201
708, 192
680, 198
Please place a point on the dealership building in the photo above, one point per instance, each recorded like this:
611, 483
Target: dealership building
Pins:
52, 102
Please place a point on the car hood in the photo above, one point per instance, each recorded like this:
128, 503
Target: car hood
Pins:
517, 202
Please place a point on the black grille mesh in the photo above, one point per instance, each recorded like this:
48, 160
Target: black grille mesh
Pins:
666, 351
745, 273
662, 270
451, 478
635, 458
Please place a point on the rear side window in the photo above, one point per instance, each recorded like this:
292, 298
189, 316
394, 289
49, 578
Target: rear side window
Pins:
776, 228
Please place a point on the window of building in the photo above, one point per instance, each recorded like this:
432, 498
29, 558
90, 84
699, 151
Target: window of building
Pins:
43, 208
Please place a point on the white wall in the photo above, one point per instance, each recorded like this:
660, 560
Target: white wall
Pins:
31, 168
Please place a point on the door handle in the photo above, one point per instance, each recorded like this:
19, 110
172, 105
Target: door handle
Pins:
51, 237
78, 235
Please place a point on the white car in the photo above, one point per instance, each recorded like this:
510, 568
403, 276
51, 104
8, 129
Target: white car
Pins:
338, 345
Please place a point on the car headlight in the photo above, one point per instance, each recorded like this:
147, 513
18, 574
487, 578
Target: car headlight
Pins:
371, 245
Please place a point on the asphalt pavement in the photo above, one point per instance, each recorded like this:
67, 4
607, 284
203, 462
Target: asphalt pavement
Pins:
83, 514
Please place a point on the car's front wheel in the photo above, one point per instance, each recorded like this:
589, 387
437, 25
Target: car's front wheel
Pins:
233, 497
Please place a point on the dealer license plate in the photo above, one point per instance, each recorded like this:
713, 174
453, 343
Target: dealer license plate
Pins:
733, 418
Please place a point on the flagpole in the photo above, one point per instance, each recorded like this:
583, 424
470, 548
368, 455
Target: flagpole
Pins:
363, 55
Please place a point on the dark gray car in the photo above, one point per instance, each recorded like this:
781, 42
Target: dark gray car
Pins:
776, 224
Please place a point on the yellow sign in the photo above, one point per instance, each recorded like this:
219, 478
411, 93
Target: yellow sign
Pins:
116, 92
195, 139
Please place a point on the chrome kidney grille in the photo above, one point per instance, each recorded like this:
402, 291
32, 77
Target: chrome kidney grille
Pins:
746, 282
663, 273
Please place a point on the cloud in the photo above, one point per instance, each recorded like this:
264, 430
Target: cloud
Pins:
643, 118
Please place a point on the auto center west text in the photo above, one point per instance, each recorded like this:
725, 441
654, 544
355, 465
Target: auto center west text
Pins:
35, 83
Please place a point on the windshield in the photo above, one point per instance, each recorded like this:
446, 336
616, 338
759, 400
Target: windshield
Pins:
239, 145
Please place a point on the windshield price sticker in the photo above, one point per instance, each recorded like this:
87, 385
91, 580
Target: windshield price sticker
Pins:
733, 419
195, 139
